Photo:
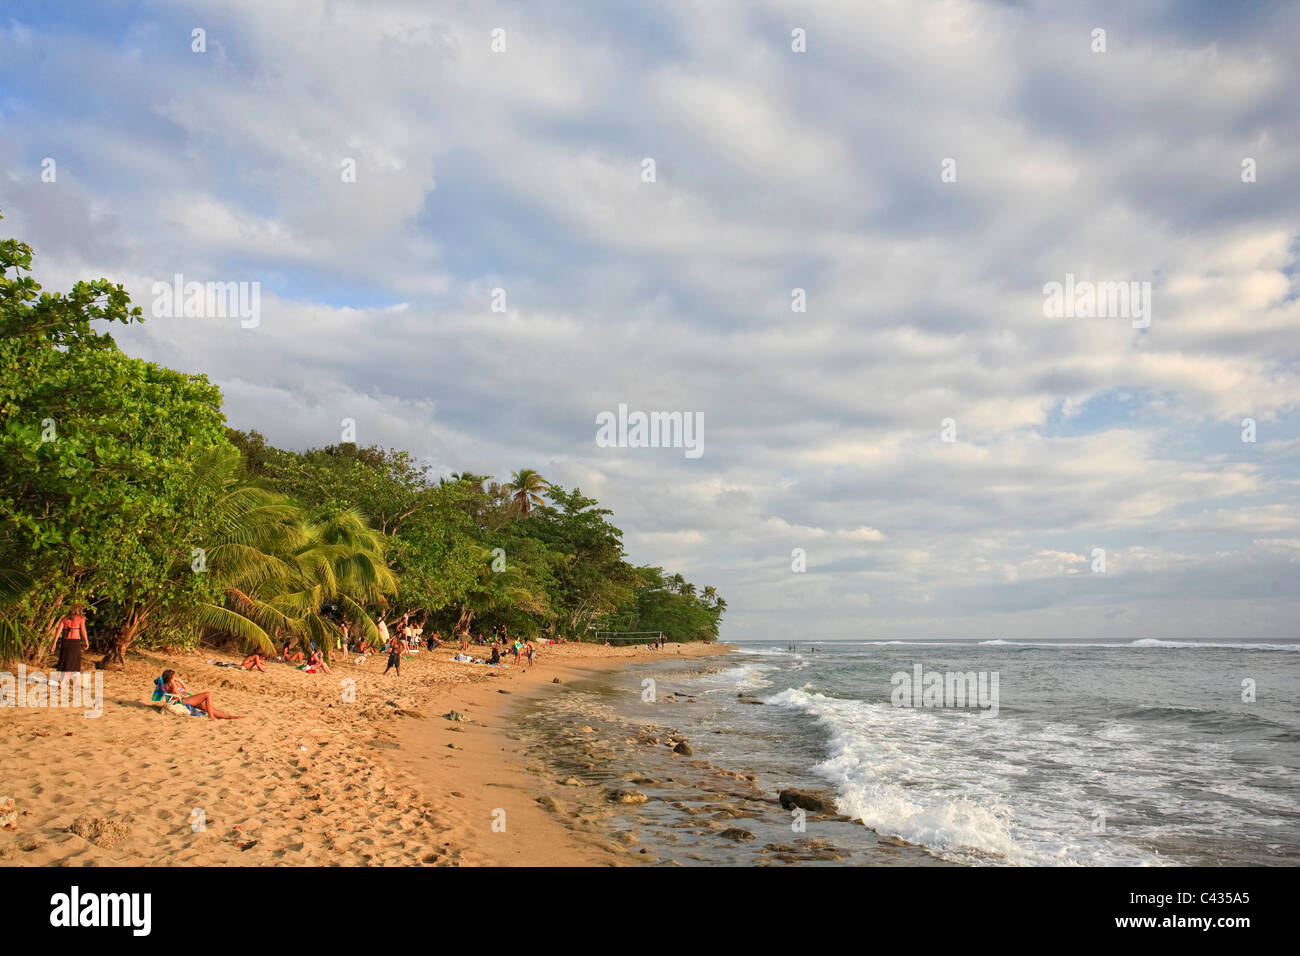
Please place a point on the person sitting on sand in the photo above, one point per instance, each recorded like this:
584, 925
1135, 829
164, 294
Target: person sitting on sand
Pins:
317, 660
254, 661
291, 658
496, 656
172, 691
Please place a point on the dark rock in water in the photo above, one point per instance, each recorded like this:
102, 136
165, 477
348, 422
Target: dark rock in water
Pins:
683, 748
807, 800
737, 834
549, 804
625, 796
750, 700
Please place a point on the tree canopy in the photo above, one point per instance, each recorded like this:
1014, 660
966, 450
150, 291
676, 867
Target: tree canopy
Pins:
122, 489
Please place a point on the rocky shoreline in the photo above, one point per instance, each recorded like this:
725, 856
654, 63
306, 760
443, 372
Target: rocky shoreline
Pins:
639, 785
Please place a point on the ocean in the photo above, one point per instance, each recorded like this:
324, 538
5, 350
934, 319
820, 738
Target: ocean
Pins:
1053, 752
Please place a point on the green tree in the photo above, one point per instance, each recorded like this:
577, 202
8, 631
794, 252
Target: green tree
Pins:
525, 488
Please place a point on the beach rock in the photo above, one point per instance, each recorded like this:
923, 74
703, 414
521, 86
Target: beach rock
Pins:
555, 680
737, 834
812, 800
549, 804
683, 748
572, 782
455, 715
628, 796
8, 814
99, 831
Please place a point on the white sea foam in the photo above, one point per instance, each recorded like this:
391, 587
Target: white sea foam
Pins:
950, 782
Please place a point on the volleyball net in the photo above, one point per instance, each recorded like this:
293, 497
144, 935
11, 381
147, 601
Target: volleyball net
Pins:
628, 637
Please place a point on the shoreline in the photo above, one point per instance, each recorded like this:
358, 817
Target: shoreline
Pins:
493, 782
350, 768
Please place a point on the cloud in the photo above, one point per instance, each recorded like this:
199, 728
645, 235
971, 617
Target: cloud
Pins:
820, 171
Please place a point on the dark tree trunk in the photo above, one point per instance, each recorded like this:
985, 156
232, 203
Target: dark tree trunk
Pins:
116, 654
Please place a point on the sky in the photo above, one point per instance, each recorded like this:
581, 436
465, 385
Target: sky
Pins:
922, 451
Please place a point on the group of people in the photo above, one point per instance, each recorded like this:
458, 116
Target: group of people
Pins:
171, 692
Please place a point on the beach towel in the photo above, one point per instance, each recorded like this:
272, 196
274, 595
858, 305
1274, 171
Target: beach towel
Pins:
172, 703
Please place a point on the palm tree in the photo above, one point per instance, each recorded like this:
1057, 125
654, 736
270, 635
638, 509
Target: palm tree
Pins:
474, 481
240, 515
498, 590
710, 594
525, 488
676, 583
275, 594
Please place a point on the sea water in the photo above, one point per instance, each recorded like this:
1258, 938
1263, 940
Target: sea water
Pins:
1095, 753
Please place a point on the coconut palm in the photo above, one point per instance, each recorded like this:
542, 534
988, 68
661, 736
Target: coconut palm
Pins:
498, 590
525, 488
279, 593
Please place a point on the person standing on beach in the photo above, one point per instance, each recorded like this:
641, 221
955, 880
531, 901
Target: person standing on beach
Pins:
395, 653
72, 640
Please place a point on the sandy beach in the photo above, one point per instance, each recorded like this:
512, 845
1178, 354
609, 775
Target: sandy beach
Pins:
319, 771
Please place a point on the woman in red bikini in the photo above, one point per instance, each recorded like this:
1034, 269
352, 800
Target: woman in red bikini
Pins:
72, 639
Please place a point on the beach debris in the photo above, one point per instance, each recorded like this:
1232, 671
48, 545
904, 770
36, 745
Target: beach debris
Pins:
555, 680
683, 748
736, 833
102, 832
456, 716
629, 796
8, 813
247, 845
812, 800
572, 782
